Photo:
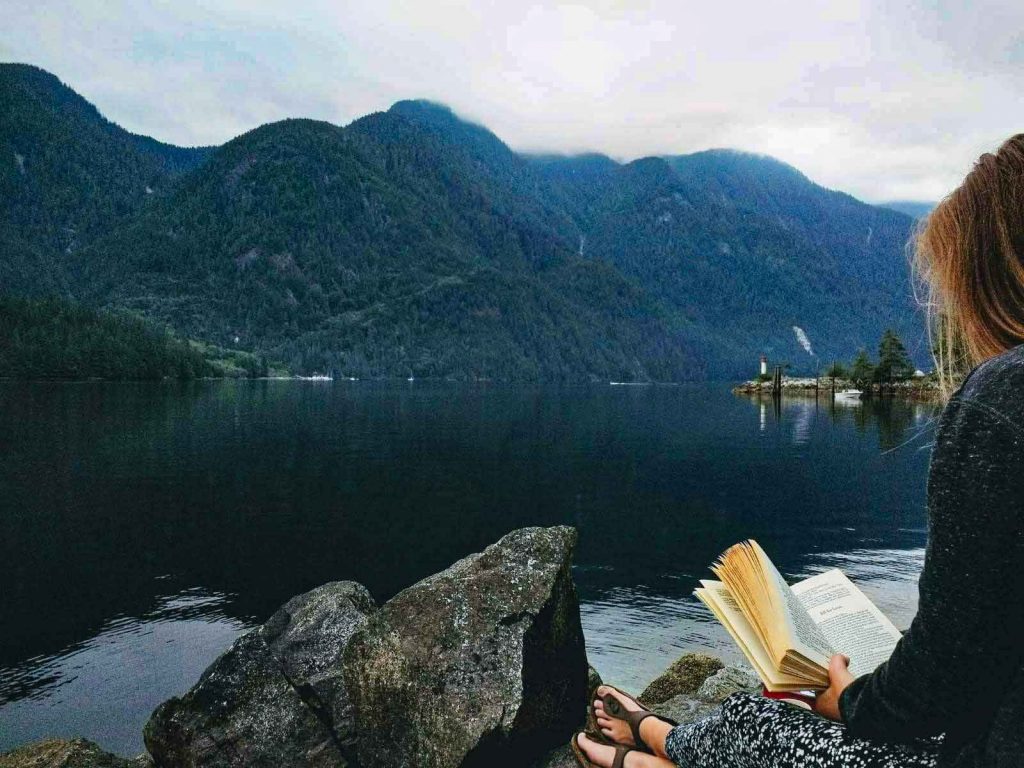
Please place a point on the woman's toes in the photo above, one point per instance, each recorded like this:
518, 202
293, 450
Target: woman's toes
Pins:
598, 754
627, 703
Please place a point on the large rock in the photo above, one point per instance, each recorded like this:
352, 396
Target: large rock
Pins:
480, 665
727, 681
684, 676
276, 698
63, 753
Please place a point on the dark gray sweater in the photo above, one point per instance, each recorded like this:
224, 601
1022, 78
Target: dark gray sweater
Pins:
959, 669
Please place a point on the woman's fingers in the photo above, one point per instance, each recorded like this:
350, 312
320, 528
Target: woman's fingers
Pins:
839, 670
826, 703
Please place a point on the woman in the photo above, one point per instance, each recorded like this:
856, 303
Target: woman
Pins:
952, 694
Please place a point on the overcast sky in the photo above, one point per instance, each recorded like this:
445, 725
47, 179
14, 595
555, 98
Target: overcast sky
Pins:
883, 99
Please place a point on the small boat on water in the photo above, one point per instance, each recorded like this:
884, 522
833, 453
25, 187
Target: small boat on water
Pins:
848, 395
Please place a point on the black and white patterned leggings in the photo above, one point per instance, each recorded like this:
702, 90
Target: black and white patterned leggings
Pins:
751, 731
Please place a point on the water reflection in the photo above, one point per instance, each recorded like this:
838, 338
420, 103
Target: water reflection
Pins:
897, 422
84, 687
143, 526
802, 423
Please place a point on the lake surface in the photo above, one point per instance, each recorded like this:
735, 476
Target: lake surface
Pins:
144, 526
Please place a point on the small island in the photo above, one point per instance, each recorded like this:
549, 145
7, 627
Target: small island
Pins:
893, 375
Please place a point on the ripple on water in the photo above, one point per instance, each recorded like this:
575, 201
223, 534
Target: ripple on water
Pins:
145, 659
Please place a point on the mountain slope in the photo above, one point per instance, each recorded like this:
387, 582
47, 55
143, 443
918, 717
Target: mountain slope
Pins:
67, 174
747, 249
342, 249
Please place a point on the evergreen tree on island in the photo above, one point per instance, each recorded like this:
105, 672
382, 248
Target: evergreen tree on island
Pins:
894, 362
862, 370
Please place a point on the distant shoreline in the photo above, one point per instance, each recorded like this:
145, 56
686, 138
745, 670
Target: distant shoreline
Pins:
922, 389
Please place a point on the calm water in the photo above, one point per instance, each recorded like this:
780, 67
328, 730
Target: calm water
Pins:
144, 526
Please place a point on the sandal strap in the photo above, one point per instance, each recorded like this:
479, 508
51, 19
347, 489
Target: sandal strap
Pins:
614, 708
620, 755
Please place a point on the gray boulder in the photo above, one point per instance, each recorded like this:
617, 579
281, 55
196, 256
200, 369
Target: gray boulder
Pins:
725, 682
276, 698
67, 753
690, 707
483, 664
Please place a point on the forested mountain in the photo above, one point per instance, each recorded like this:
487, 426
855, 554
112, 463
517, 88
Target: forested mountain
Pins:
55, 340
748, 249
67, 175
414, 243
334, 249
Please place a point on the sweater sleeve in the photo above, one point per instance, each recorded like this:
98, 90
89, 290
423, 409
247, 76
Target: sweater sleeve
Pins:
957, 658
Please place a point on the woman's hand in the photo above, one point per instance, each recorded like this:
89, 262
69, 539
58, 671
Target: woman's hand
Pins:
826, 703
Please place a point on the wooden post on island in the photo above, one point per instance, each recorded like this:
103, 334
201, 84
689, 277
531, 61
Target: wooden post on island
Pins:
777, 392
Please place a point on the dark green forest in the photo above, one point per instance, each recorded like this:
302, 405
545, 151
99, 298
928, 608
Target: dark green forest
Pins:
413, 243
53, 339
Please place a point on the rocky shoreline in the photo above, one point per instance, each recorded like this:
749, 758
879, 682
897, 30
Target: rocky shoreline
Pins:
922, 389
481, 664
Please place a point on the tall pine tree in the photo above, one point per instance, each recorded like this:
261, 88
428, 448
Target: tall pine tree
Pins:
862, 370
894, 363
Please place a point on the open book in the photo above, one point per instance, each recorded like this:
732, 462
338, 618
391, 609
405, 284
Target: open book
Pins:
789, 633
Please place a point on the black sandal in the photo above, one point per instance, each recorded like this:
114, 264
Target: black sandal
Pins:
621, 750
614, 709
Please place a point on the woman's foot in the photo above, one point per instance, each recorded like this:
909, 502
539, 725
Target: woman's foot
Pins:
612, 727
603, 755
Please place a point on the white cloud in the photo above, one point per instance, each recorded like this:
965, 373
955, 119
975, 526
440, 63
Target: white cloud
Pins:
877, 97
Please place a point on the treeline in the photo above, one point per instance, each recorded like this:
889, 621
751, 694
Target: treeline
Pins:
54, 339
893, 364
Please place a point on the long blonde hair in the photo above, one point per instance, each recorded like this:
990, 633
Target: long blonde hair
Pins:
969, 253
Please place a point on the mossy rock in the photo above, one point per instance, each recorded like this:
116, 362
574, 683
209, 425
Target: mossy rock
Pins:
66, 753
684, 677
481, 664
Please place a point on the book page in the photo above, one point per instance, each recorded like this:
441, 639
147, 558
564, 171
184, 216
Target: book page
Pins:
716, 596
849, 621
807, 638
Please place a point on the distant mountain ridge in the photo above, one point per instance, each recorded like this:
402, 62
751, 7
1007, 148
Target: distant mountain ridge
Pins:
915, 209
413, 243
